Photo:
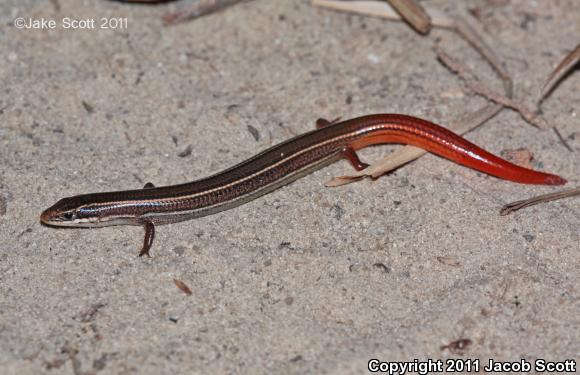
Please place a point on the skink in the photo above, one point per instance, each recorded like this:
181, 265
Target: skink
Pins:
275, 167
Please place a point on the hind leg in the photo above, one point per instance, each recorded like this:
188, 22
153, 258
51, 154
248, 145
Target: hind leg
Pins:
350, 154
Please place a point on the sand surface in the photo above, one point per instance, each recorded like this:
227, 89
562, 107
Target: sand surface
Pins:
307, 279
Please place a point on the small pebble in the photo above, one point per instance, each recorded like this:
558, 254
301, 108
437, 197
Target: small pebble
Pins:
373, 58
185, 152
254, 132
337, 211
179, 250
529, 237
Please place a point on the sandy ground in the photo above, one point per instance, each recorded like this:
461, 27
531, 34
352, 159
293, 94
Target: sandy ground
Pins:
307, 279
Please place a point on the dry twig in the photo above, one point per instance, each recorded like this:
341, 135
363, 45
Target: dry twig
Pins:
479, 88
514, 206
199, 9
564, 67
562, 140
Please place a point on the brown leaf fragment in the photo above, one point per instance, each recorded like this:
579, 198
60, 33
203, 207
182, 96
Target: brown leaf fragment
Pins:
184, 288
448, 260
520, 156
412, 12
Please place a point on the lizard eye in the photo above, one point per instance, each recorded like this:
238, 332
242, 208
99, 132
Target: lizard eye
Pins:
68, 215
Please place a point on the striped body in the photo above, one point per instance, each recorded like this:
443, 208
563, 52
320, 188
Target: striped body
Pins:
276, 167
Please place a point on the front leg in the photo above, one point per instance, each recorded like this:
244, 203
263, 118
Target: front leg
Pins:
323, 123
149, 230
148, 240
